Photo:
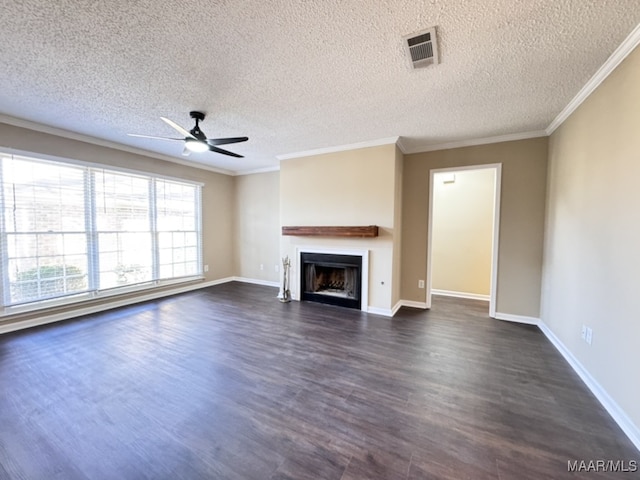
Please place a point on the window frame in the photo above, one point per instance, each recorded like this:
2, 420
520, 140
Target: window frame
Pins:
91, 232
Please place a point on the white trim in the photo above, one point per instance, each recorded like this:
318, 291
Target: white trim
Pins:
620, 53
385, 312
619, 416
364, 288
56, 317
497, 199
256, 281
401, 145
429, 241
477, 141
240, 173
497, 167
38, 127
413, 304
340, 148
509, 317
625, 48
392, 312
37, 156
466, 168
470, 296
80, 298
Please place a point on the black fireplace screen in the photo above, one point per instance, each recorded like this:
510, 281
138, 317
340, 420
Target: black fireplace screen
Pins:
333, 279
330, 280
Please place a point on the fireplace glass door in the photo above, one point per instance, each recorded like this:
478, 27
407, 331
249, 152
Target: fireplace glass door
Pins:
333, 279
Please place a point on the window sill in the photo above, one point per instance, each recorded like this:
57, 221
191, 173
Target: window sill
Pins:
90, 297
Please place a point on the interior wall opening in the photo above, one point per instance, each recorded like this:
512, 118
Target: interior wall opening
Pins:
463, 233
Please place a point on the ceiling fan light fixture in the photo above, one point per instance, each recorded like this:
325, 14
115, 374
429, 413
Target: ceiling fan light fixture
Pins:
196, 145
195, 140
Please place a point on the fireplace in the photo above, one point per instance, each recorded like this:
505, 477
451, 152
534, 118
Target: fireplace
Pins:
330, 278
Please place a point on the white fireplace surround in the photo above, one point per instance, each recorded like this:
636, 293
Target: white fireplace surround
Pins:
364, 254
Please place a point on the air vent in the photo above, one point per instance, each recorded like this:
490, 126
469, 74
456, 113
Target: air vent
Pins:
422, 48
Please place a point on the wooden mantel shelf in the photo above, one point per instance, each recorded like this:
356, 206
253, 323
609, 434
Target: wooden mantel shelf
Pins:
370, 231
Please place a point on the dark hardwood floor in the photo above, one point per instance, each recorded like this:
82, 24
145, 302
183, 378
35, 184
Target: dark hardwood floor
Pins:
229, 383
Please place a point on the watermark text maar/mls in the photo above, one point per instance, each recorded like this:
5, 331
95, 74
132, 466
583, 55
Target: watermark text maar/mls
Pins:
602, 466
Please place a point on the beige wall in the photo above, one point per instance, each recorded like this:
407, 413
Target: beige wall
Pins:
397, 229
524, 169
462, 233
217, 192
257, 226
356, 187
591, 262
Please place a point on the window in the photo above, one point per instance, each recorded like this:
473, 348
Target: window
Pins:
124, 229
178, 235
70, 229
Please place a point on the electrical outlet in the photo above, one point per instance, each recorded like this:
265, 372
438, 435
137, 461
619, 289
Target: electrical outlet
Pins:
206, 268
420, 283
262, 266
589, 335
584, 333
277, 268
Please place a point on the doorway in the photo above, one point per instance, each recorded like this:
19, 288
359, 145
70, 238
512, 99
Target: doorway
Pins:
462, 256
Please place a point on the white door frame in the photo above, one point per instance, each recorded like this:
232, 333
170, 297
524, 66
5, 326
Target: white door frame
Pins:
497, 167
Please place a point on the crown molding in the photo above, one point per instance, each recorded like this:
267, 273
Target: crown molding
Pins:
625, 48
340, 148
401, 145
478, 141
619, 54
240, 173
59, 132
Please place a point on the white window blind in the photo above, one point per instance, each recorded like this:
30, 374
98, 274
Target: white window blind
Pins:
71, 230
124, 229
177, 220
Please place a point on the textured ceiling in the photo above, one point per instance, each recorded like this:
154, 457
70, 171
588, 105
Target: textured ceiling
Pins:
298, 75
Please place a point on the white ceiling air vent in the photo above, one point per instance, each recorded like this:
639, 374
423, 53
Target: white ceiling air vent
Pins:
422, 48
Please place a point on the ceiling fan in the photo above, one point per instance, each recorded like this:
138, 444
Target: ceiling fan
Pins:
195, 140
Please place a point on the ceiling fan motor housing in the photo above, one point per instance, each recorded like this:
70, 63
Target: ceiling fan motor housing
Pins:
198, 116
195, 131
195, 140
199, 134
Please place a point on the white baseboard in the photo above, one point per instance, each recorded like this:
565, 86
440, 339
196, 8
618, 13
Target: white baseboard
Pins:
413, 304
451, 293
256, 281
56, 317
509, 317
610, 405
401, 303
385, 312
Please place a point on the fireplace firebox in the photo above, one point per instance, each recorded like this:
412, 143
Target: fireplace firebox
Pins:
332, 279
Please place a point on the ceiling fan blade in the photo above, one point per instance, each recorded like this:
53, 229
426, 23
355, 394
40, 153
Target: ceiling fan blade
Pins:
224, 152
177, 127
223, 141
186, 151
156, 138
